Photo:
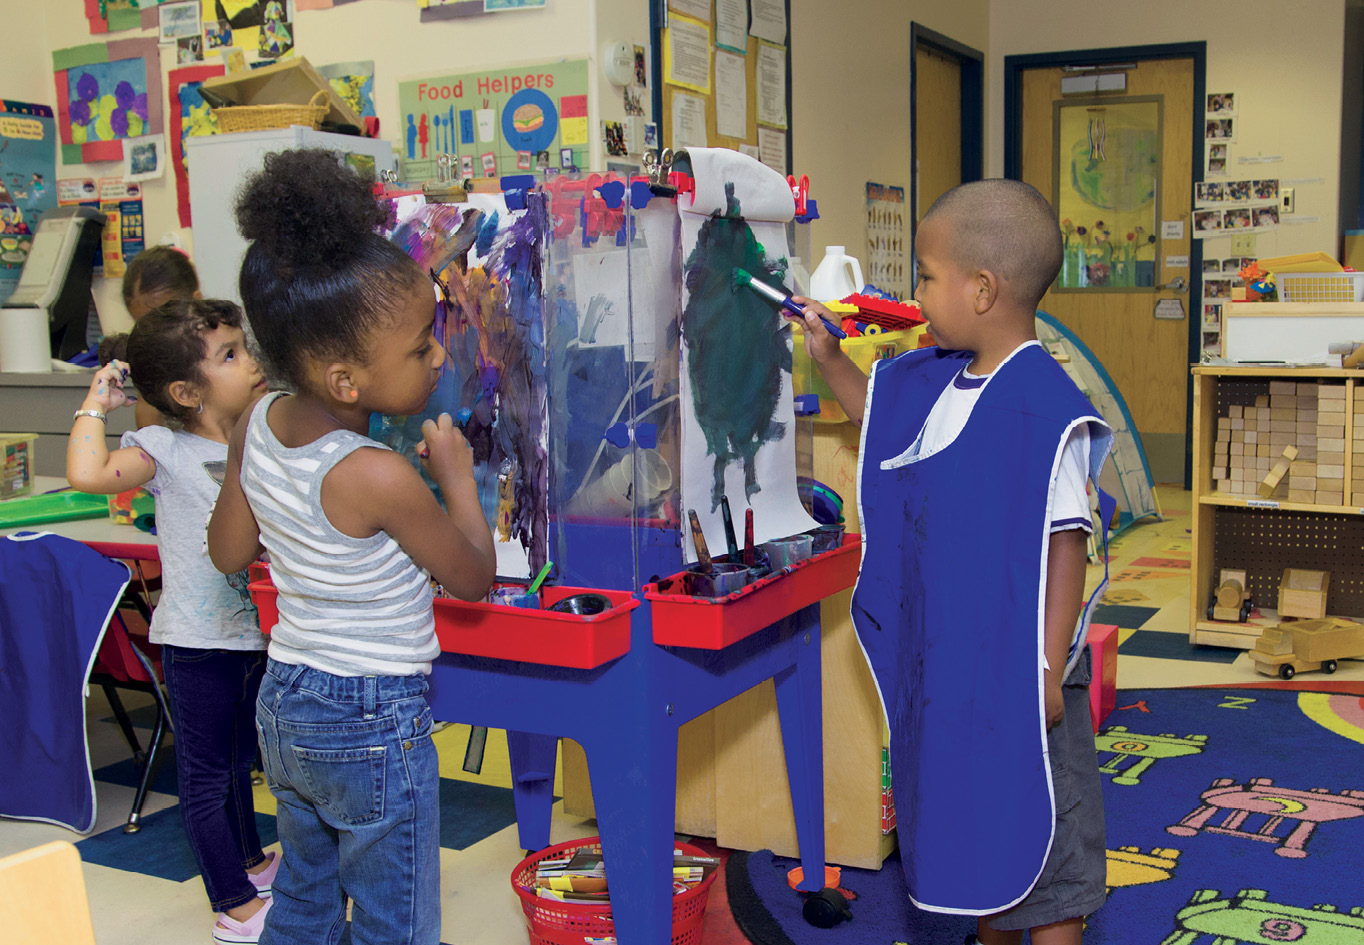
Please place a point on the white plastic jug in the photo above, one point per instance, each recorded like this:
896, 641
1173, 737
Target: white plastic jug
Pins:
837, 276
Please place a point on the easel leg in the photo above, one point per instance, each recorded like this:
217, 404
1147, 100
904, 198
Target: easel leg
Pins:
799, 710
532, 768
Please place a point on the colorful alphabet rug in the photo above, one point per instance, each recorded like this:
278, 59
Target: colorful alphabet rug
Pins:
1233, 816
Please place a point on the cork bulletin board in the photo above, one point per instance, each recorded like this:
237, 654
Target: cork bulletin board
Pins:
686, 83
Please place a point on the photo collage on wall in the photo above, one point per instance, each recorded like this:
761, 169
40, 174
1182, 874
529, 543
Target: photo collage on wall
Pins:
1220, 276
1224, 208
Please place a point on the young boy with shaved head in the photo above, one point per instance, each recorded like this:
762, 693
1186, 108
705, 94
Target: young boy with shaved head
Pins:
972, 497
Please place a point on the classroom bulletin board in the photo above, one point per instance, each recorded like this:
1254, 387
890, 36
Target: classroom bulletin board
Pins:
697, 32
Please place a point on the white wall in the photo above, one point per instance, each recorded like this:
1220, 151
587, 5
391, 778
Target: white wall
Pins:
387, 31
850, 100
1283, 60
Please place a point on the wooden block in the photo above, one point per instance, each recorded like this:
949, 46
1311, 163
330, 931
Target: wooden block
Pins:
1357, 498
1224, 436
1251, 436
1262, 414
1262, 400
1306, 389
1290, 453
1331, 485
1329, 418
1308, 483
1330, 458
1263, 448
1307, 451
1330, 391
1306, 439
1280, 413
1268, 486
1328, 433
1222, 485
1330, 472
1220, 449
1237, 423
1283, 387
1303, 593
1306, 427
1330, 498
1283, 402
1238, 436
1236, 411
1252, 424
1302, 467
1237, 448
1219, 472
1328, 445
1308, 496
1307, 416
1283, 426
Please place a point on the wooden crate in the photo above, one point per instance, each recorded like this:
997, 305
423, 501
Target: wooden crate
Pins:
1302, 593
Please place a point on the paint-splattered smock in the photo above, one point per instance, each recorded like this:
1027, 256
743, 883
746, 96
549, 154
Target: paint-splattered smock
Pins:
949, 611
199, 606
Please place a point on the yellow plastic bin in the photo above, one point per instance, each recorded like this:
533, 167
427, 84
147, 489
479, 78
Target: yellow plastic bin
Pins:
864, 351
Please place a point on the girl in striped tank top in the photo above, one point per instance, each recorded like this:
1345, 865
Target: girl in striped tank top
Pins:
346, 319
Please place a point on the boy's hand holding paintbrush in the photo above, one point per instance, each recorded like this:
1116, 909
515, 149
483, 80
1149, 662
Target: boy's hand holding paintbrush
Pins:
844, 377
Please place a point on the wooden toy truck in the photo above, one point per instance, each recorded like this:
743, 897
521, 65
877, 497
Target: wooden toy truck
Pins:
1230, 601
1306, 645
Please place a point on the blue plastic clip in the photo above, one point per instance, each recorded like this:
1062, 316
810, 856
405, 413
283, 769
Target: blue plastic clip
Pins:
516, 199
811, 212
617, 434
807, 405
612, 193
518, 182
646, 435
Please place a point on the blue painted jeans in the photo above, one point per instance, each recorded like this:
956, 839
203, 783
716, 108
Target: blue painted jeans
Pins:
352, 766
212, 702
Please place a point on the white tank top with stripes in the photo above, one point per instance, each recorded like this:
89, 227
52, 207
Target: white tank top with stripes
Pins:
347, 606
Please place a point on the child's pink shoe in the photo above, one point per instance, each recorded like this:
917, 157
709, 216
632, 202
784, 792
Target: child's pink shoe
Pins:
228, 931
264, 881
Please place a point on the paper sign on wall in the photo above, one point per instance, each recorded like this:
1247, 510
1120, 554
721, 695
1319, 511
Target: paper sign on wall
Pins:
1172, 229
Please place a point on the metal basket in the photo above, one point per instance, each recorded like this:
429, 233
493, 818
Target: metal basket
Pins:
1320, 286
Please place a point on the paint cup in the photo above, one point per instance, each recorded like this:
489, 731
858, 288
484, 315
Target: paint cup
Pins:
720, 581
784, 552
514, 595
614, 493
825, 538
582, 605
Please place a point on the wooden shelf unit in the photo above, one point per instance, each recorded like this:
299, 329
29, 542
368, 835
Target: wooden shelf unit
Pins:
1265, 536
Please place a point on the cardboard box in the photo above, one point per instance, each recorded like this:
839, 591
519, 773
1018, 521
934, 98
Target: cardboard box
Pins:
1302, 593
291, 81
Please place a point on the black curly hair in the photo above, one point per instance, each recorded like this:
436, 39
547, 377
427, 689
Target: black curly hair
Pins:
317, 278
167, 345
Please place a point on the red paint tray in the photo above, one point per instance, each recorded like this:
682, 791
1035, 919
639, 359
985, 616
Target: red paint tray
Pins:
509, 633
714, 623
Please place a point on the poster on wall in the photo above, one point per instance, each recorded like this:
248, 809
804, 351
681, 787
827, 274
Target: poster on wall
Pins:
887, 261
190, 116
106, 93
493, 115
28, 182
1107, 178
123, 237
263, 28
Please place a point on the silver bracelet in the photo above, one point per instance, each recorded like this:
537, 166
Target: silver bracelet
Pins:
97, 414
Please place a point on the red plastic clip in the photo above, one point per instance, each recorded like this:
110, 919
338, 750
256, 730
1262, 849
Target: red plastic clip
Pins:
682, 183
800, 190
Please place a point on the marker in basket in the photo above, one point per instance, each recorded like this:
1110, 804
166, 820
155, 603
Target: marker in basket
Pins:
539, 578
742, 278
699, 540
748, 537
731, 543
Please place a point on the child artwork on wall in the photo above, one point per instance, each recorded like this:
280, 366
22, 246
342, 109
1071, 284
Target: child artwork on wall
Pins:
106, 93
487, 262
738, 420
354, 82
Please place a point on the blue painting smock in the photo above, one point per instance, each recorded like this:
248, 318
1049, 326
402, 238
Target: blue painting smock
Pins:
949, 611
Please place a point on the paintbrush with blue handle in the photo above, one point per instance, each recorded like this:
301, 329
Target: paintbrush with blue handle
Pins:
743, 278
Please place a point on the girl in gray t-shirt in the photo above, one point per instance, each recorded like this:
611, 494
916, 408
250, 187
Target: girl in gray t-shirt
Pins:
190, 361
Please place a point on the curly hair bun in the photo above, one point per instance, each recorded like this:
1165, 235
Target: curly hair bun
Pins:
304, 208
113, 348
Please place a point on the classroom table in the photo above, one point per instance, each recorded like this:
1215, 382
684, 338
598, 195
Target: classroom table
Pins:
626, 715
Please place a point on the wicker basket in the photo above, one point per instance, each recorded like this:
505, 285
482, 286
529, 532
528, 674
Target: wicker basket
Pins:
265, 117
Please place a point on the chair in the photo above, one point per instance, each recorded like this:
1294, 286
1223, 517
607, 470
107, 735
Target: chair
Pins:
42, 897
123, 664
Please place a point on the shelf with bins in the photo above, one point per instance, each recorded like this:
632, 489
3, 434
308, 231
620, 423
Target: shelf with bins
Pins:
1304, 522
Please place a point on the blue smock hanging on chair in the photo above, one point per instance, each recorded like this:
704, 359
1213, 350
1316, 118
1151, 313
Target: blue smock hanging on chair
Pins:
948, 610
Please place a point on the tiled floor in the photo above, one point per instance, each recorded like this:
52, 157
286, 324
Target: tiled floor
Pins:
143, 889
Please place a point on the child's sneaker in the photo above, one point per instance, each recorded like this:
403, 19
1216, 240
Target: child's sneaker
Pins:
264, 881
228, 931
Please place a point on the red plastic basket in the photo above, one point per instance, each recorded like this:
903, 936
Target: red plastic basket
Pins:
550, 922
